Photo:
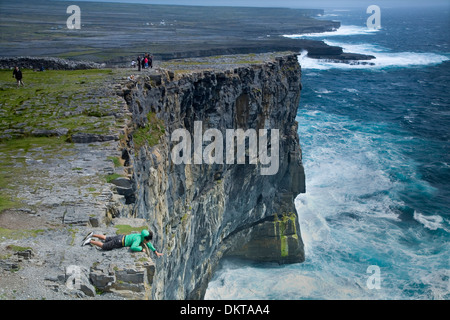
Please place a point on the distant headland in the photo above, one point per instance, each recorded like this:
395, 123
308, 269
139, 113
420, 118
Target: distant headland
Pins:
114, 33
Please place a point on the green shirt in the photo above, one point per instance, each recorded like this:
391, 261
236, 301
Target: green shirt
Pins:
135, 241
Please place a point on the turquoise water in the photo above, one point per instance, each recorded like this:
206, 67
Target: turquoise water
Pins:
376, 144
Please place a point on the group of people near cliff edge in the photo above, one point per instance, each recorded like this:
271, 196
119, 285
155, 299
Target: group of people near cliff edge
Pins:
144, 62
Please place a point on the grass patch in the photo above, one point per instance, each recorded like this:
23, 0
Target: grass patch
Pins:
127, 229
54, 99
150, 134
17, 248
77, 100
18, 234
6, 202
116, 161
111, 177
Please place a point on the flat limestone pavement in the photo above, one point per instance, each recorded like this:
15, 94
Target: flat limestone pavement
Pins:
54, 190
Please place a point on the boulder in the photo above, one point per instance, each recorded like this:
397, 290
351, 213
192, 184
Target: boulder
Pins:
102, 277
76, 216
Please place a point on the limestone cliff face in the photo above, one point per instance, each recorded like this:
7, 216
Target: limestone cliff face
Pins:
202, 212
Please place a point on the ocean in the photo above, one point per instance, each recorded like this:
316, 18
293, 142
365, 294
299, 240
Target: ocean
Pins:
375, 218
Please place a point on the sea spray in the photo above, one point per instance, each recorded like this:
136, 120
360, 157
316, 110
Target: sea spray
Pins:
375, 149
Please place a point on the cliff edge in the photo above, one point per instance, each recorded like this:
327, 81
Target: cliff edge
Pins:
202, 212
98, 150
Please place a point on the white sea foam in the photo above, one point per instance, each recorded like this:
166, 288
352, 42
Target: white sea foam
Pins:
335, 214
430, 222
348, 222
328, 15
349, 216
342, 31
338, 169
349, 208
383, 59
323, 91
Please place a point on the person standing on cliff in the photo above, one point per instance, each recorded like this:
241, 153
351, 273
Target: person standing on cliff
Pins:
137, 242
139, 63
145, 62
18, 75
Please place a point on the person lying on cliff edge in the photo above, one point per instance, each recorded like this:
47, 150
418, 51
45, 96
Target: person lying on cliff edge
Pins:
136, 241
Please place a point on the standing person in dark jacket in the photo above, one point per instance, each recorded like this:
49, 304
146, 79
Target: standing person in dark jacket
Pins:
143, 62
139, 63
18, 75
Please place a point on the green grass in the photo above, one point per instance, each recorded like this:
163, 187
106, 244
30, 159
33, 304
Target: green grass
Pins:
18, 234
17, 248
6, 202
47, 82
127, 229
150, 134
54, 99
76, 100
111, 177
116, 161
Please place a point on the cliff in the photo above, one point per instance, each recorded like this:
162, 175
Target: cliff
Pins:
202, 212
95, 152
